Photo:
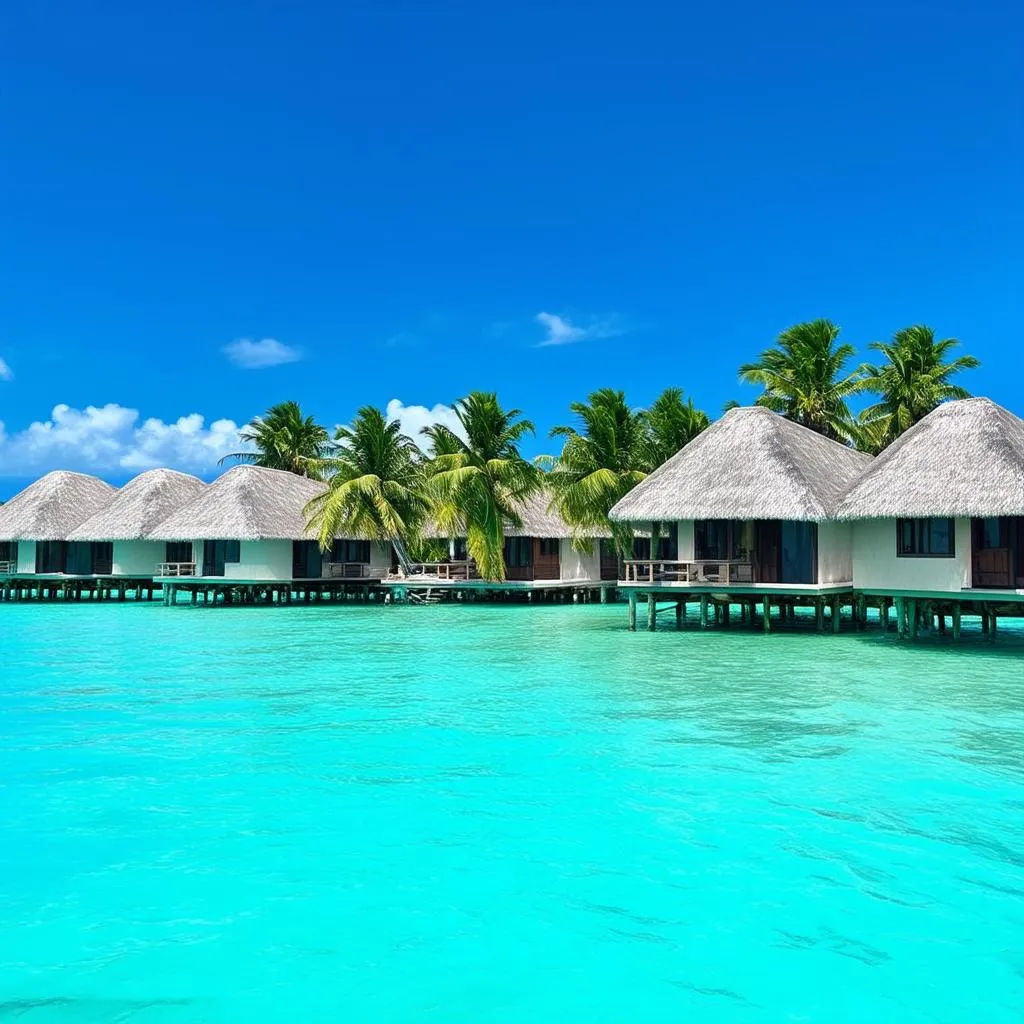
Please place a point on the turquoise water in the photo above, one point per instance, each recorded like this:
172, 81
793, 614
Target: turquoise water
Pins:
502, 814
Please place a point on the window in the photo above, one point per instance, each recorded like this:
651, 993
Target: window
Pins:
51, 556
307, 561
217, 553
178, 551
343, 550
721, 538
519, 552
102, 558
989, 534
9, 551
925, 538
548, 547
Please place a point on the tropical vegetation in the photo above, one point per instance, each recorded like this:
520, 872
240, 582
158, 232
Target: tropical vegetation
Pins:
473, 478
282, 438
913, 379
477, 479
375, 483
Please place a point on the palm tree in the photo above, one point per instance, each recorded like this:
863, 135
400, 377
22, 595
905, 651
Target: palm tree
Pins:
608, 455
910, 383
479, 483
804, 378
672, 423
285, 439
375, 483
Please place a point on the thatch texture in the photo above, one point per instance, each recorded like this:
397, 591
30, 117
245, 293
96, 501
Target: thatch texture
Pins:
246, 503
964, 459
140, 506
53, 506
539, 520
750, 464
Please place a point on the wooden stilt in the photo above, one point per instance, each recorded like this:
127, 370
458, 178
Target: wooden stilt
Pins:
703, 611
956, 621
632, 610
837, 614
942, 622
766, 615
992, 625
652, 613
914, 618
726, 613
679, 614
819, 614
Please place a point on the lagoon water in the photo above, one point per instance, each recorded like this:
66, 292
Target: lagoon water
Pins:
490, 814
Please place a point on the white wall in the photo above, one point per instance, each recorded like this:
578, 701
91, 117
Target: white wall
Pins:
26, 556
876, 567
262, 560
137, 557
835, 552
577, 565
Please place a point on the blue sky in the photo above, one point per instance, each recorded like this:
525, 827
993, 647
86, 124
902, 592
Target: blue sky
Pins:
380, 200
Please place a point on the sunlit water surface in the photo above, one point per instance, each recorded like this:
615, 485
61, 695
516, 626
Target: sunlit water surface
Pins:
503, 814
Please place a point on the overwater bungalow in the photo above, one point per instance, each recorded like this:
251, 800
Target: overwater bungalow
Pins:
248, 528
122, 526
539, 557
938, 517
36, 527
749, 508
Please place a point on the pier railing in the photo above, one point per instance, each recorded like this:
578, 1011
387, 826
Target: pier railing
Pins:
176, 569
446, 571
702, 571
353, 571
8, 568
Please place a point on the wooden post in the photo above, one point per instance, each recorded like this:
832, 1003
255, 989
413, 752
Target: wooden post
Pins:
819, 614
992, 626
883, 613
862, 612
652, 613
703, 611
766, 614
900, 620
679, 614
726, 613
632, 610
914, 618
956, 621
604, 595
837, 614
984, 620
942, 622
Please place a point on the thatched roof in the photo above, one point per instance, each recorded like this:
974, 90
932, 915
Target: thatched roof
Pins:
750, 464
140, 506
246, 503
53, 506
538, 519
964, 459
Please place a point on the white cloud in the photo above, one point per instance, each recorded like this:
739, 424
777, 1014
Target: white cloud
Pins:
6, 373
562, 331
413, 418
256, 355
110, 438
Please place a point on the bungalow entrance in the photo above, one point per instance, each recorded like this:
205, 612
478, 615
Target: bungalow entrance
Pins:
74, 558
776, 551
998, 552
532, 558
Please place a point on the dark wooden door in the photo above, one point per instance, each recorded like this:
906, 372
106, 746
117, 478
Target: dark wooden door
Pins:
993, 554
767, 551
546, 564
